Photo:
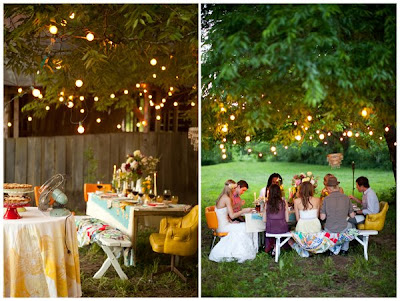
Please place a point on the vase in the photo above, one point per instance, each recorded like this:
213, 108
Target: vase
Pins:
139, 184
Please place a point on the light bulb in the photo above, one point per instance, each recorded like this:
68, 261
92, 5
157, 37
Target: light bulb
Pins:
163, 100
81, 129
224, 129
138, 124
275, 153
112, 95
349, 134
90, 37
224, 140
154, 75
9, 124
144, 122
170, 93
145, 91
234, 141
118, 126
329, 134
260, 155
310, 137
138, 86
96, 98
273, 148
321, 136
126, 91
157, 107
223, 150
29, 118
161, 105
309, 117
61, 99
53, 29
70, 104
297, 137
175, 104
47, 108
232, 117
286, 147
79, 83
317, 131
98, 120
344, 134
140, 108
81, 98
36, 92
249, 150
171, 88
192, 103
357, 134
224, 156
151, 103
295, 123
64, 23
150, 96
72, 15
19, 90
71, 97
247, 138
364, 113
62, 93
153, 62
371, 133
40, 96
221, 146
82, 111
386, 128
163, 68
158, 117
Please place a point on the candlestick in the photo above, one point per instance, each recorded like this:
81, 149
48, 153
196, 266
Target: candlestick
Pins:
155, 183
254, 197
115, 169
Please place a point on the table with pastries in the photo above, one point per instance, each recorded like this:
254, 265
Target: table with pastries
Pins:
40, 256
123, 213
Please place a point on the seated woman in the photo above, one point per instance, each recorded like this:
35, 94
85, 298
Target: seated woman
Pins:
238, 244
307, 208
324, 191
276, 216
274, 178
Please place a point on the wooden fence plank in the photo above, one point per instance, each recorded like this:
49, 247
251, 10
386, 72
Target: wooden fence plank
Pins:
60, 155
48, 158
9, 166
34, 160
21, 160
77, 172
114, 151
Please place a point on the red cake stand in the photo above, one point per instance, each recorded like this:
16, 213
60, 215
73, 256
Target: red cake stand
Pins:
11, 212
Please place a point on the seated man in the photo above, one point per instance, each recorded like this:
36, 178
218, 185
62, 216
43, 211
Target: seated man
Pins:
336, 209
237, 204
370, 202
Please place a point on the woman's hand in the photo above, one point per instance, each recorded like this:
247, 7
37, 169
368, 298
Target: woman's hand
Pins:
247, 210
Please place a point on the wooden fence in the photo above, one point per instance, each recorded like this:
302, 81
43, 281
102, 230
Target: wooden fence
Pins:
33, 160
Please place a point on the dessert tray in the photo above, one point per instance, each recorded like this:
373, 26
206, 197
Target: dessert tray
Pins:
14, 198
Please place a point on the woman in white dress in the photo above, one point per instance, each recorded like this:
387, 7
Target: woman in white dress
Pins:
307, 208
238, 244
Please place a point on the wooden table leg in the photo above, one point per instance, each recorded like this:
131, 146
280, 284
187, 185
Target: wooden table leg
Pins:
135, 229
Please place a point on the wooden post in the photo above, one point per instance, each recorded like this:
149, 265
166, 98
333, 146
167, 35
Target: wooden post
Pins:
175, 125
7, 114
16, 118
146, 113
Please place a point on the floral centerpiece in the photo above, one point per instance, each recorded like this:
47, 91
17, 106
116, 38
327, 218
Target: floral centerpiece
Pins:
147, 184
136, 167
297, 180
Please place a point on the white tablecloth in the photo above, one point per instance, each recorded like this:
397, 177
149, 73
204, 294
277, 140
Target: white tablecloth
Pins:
254, 222
36, 258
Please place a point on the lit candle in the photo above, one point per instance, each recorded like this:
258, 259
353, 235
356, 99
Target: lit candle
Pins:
115, 169
254, 197
155, 183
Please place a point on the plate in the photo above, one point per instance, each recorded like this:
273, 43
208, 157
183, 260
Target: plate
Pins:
158, 205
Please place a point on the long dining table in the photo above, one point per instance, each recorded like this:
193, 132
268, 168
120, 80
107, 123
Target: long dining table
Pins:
124, 214
40, 254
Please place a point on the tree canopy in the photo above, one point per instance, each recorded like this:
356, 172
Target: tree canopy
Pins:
53, 44
293, 73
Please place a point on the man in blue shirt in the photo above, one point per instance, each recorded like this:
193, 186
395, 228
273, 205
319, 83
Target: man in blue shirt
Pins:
369, 202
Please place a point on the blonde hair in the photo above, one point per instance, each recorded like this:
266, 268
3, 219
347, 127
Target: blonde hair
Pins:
227, 190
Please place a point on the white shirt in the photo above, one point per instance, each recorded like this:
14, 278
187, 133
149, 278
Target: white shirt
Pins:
370, 202
262, 192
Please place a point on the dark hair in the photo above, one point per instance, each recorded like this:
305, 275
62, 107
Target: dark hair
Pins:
275, 201
243, 183
306, 190
362, 181
269, 183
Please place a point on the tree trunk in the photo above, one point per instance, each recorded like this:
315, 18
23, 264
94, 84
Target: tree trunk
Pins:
390, 141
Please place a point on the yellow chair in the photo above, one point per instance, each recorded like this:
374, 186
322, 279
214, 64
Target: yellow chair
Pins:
177, 236
375, 221
212, 223
93, 188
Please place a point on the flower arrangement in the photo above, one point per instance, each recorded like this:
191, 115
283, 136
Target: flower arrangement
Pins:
136, 166
147, 184
298, 179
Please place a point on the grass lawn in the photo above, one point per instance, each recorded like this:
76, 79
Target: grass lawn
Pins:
139, 283
293, 276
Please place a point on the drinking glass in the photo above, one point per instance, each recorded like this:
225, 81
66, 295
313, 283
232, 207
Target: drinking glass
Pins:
174, 199
167, 195
151, 194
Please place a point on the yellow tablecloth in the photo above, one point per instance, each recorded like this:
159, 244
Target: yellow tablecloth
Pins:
36, 259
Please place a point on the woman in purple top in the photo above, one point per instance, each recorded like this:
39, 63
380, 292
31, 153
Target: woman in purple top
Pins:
276, 216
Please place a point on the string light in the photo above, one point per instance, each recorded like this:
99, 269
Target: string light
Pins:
71, 97
126, 91
341, 139
47, 108
325, 142
82, 111
150, 96
62, 93
163, 68
36, 92
249, 150
310, 137
309, 117
151, 103
223, 109
153, 62
81, 129
112, 95
221, 146
247, 138
53, 29
349, 134
138, 86
286, 147
61, 99
306, 128
96, 98
297, 137
317, 131
154, 75
380, 138
79, 83
81, 98
163, 100
9, 124
19, 90
138, 124
145, 91
64, 22
157, 107
144, 122
232, 117
193, 103
72, 15
118, 126
260, 155
224, 139
386, 128
70, 104
224, 128
140, 108
223, 150
29, 118
329, 134
90, 37
344, 134
275, 153
234, 141
224, 156
371, 133
322, 136
98, 120
171, 88
364, 113
140, 94
158, 117
295, 123
395, 144
40, 96
273, 148
161, 105
357, 134
175, 104
170, 93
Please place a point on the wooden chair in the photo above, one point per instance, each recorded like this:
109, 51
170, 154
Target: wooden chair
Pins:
93, 188
375, 221
212, 223
178, 237
37, 195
